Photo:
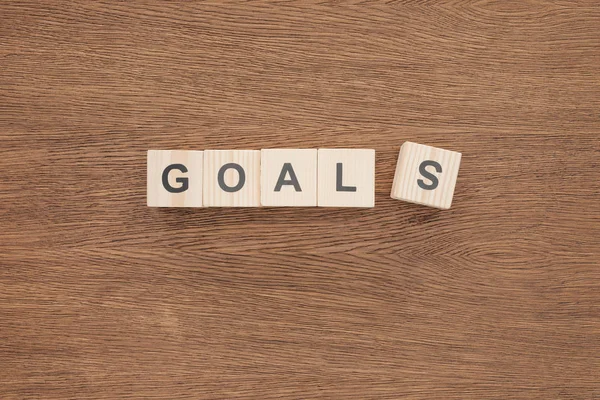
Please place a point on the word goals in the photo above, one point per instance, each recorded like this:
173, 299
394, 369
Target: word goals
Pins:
296, 177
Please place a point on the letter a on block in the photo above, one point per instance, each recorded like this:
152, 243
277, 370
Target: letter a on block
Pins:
346, 178
174, 178
426, 175
288, 177
232, 178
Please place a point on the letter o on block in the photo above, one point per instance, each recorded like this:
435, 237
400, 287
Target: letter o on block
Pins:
231, 178
241, 178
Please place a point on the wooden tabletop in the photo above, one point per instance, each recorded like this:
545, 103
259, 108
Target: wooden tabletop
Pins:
102, 297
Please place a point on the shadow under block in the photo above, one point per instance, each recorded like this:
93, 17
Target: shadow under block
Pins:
426, 175
232, 178
346, 178
288, 177
174, 178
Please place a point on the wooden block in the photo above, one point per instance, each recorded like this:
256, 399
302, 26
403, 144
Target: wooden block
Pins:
288, 177
426, 175
346, 178
232, 178
174, 178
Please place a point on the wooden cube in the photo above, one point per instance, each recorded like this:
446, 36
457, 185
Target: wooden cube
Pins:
232, 178
174, 178
426, 175
288, 177
346, 178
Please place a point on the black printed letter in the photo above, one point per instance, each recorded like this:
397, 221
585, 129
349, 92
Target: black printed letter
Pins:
184, 181
434, 180
221, 177
338, 181
287, 169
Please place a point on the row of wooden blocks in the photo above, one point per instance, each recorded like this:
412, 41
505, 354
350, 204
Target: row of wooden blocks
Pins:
296, 177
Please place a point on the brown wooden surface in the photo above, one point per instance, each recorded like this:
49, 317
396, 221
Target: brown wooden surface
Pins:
104, 298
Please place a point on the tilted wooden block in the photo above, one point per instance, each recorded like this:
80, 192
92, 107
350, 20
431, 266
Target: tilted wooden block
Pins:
288, 177
232, 178
174, 178
346, 178
426, 175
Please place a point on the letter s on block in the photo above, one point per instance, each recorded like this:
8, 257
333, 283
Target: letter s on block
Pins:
434, 180
184, 181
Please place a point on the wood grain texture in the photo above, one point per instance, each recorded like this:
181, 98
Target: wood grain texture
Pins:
102, 297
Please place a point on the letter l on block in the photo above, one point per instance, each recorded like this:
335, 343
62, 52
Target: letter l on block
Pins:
346, 178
